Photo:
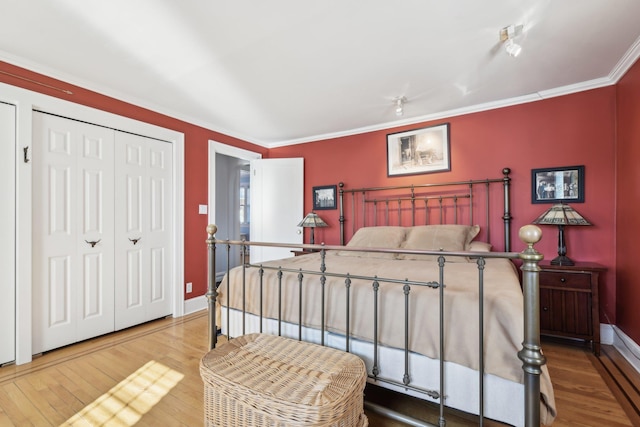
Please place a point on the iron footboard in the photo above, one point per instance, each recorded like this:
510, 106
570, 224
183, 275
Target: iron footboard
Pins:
530, 354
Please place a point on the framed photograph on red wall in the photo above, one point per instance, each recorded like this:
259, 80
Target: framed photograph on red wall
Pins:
324, 197
424, 150
556, 185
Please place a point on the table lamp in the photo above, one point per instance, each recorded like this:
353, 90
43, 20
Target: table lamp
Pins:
561, 215
312, 220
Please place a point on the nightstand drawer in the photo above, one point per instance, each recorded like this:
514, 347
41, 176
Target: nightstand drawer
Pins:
565, 280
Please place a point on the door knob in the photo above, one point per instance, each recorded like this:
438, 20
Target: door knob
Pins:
135, 240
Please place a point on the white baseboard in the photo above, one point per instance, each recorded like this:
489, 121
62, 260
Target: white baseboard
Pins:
606, 334
628, 348
195, 304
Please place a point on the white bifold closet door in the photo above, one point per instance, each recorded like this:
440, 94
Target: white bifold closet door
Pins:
143, 229
96, 192
73, 229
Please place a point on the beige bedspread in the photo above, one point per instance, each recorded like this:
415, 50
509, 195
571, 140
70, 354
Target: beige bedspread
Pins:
503, 313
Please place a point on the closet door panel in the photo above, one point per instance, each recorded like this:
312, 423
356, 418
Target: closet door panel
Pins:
54, 239
95, 238
72, 231
160, 228
143, 235
133, 207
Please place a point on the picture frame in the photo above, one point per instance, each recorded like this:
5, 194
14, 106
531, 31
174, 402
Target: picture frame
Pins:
419, 151
555, 185
324, 197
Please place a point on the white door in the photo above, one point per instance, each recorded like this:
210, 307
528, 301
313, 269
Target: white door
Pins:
144, 248
7, 233
73, 227
277, 188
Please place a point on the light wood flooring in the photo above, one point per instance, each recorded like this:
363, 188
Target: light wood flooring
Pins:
149, 376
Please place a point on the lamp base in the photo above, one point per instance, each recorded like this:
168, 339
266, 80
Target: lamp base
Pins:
562, 260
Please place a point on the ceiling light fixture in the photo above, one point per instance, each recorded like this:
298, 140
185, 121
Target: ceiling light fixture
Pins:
399, 103
507, 34
513, 49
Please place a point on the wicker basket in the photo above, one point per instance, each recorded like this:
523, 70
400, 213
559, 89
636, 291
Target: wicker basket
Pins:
265, 380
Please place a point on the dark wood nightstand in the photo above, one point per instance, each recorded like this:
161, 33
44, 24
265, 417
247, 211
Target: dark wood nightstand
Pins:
569, 305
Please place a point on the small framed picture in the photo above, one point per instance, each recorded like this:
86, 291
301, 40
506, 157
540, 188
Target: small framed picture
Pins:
418, 151
324, 197
555, 185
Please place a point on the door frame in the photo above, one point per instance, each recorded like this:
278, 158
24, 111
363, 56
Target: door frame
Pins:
26, 101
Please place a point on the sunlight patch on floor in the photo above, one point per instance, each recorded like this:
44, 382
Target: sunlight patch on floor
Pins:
129, 400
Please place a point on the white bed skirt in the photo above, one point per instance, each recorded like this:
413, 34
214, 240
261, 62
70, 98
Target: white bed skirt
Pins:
504, 399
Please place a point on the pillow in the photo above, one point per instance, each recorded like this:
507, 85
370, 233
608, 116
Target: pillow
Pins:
446, 237
376, 237
479, 247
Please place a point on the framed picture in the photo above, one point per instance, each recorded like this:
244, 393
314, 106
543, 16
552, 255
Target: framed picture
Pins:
555, 185
324, 197
418, 151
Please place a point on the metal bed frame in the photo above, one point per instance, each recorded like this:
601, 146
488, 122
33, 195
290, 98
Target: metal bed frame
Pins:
389, 206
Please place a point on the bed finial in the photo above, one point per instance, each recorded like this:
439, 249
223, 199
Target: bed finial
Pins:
530, 234
211, 229
506, 171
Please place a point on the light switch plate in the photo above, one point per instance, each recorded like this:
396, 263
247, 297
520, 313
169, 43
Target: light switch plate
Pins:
202, 209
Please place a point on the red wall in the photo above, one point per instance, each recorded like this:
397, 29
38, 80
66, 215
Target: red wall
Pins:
577, 129
196, 160
628, 201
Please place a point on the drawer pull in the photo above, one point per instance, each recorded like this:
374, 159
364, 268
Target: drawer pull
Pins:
563, 279
545, 308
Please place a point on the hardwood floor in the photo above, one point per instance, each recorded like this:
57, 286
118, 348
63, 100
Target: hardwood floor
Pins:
57, 385
149, 376
582, 395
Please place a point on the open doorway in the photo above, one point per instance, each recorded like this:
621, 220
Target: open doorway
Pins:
270, 213
232, 203
229, 208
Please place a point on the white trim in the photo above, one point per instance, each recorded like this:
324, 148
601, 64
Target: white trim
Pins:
195, 304
70, 79
493, 105
24, 298
606, 334
627, 347
178, 231
26, 101
625, 63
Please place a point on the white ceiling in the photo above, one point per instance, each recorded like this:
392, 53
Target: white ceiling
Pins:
284, 71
